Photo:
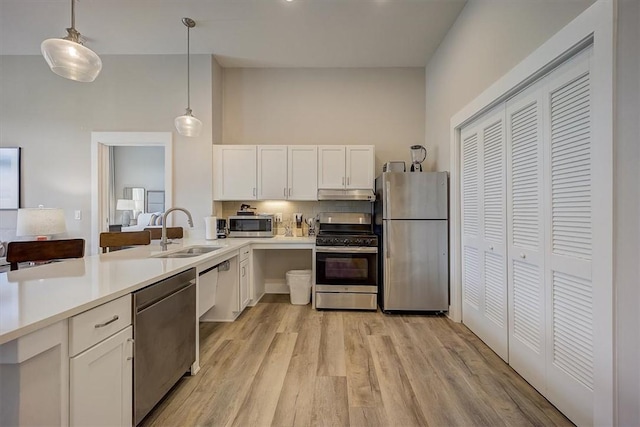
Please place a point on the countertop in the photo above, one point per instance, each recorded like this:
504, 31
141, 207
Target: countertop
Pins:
35, 297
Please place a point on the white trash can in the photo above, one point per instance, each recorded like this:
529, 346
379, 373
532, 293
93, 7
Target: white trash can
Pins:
299, 283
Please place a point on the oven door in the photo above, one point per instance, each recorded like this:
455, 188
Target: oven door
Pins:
345, 266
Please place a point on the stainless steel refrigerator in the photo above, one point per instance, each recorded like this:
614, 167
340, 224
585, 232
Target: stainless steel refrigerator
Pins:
412, 217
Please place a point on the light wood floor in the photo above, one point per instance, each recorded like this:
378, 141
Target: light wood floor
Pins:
286, 365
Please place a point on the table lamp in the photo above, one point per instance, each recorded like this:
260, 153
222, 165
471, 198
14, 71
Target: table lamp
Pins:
125, 205
40, 222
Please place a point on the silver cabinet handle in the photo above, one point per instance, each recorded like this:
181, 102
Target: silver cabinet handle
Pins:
289, 191
108, 322
348, 180
133, 348
254, 191
285, 192
243, 271
343, 180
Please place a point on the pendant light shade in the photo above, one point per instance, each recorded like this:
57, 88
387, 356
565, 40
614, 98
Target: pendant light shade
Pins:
67, 57
187, 125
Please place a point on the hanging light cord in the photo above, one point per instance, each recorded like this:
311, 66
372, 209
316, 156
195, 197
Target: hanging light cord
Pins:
188, 72
73, 14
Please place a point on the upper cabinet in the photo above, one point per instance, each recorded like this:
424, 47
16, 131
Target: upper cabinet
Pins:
302, 172
234, 172
346, 167
287, 172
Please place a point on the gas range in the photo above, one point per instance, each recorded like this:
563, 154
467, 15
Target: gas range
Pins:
346, 262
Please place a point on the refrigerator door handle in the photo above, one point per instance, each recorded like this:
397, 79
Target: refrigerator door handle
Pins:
387, 245
387, 199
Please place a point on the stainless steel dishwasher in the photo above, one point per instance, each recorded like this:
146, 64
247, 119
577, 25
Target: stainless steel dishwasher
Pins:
164, 331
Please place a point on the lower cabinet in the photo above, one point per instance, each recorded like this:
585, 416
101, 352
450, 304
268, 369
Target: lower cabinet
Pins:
244, 284
101, 383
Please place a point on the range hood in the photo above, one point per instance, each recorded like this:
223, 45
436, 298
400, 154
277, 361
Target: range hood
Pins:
366, 195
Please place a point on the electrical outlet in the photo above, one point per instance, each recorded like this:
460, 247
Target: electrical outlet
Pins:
78, 214
278, 217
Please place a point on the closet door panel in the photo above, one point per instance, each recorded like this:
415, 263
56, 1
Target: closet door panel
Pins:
569, 163
525, 234
484, 230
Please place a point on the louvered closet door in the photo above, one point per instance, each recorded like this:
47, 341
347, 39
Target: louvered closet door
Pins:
525, 225
568, 229
483, 231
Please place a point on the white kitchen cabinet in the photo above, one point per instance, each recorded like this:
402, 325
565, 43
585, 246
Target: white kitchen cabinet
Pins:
346, 167
34, 378
101, 383
244, 284
302, 172
101, 365
287, 172
272, 172
234, 172
331, 166
360, 167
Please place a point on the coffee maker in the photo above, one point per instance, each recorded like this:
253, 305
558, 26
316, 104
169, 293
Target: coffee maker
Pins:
418, 154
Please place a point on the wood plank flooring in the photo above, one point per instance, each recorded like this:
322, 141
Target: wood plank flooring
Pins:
286, 365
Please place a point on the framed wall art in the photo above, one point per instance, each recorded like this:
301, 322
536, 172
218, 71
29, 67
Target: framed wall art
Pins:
9, 178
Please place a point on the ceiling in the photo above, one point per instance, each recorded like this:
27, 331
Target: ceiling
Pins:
242, 33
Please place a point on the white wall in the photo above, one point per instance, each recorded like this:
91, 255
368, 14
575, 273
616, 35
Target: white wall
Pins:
488, 39
627, 213
379, 106
52, 119
138, 167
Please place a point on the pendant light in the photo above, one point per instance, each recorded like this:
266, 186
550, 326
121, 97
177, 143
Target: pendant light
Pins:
67, 57
186, 124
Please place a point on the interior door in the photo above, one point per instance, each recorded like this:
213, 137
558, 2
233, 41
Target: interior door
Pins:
526, 237
416, 266
484, 275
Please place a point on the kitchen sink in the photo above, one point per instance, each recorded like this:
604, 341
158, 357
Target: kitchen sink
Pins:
189, 252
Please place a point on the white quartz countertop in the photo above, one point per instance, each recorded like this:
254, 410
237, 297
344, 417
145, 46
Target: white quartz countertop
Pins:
35, 297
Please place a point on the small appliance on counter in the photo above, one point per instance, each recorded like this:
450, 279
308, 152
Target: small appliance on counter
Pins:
221, 228
298, 219
394, 166
246, 210
252, 226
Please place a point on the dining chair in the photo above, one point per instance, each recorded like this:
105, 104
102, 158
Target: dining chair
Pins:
172, 232
116, 240
43, 250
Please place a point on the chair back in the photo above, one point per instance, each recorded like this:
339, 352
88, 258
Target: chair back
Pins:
172, 232
43, 250
116, 240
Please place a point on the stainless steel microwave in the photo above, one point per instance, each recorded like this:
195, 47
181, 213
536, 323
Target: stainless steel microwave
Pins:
251, 226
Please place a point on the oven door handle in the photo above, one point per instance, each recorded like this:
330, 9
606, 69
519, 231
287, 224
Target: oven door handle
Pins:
346, 250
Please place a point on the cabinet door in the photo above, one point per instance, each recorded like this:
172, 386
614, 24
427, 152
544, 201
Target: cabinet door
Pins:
244, 284
360, 165
272, 172
234, 172
303, 172
331, 166
102, 383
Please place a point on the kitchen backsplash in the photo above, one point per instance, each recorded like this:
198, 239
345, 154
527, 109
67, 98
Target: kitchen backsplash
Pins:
307, 209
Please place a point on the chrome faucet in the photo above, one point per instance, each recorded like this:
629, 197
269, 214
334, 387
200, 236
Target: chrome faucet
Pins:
164, 241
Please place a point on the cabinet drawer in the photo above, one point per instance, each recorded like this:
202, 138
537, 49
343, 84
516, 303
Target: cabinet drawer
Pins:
92, 326
244, 253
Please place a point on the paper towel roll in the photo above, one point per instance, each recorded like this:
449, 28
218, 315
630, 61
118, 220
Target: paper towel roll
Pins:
210, 227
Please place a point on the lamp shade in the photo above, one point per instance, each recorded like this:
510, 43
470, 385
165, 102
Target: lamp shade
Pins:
125, 205
71, 60
40, 222
187, 125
